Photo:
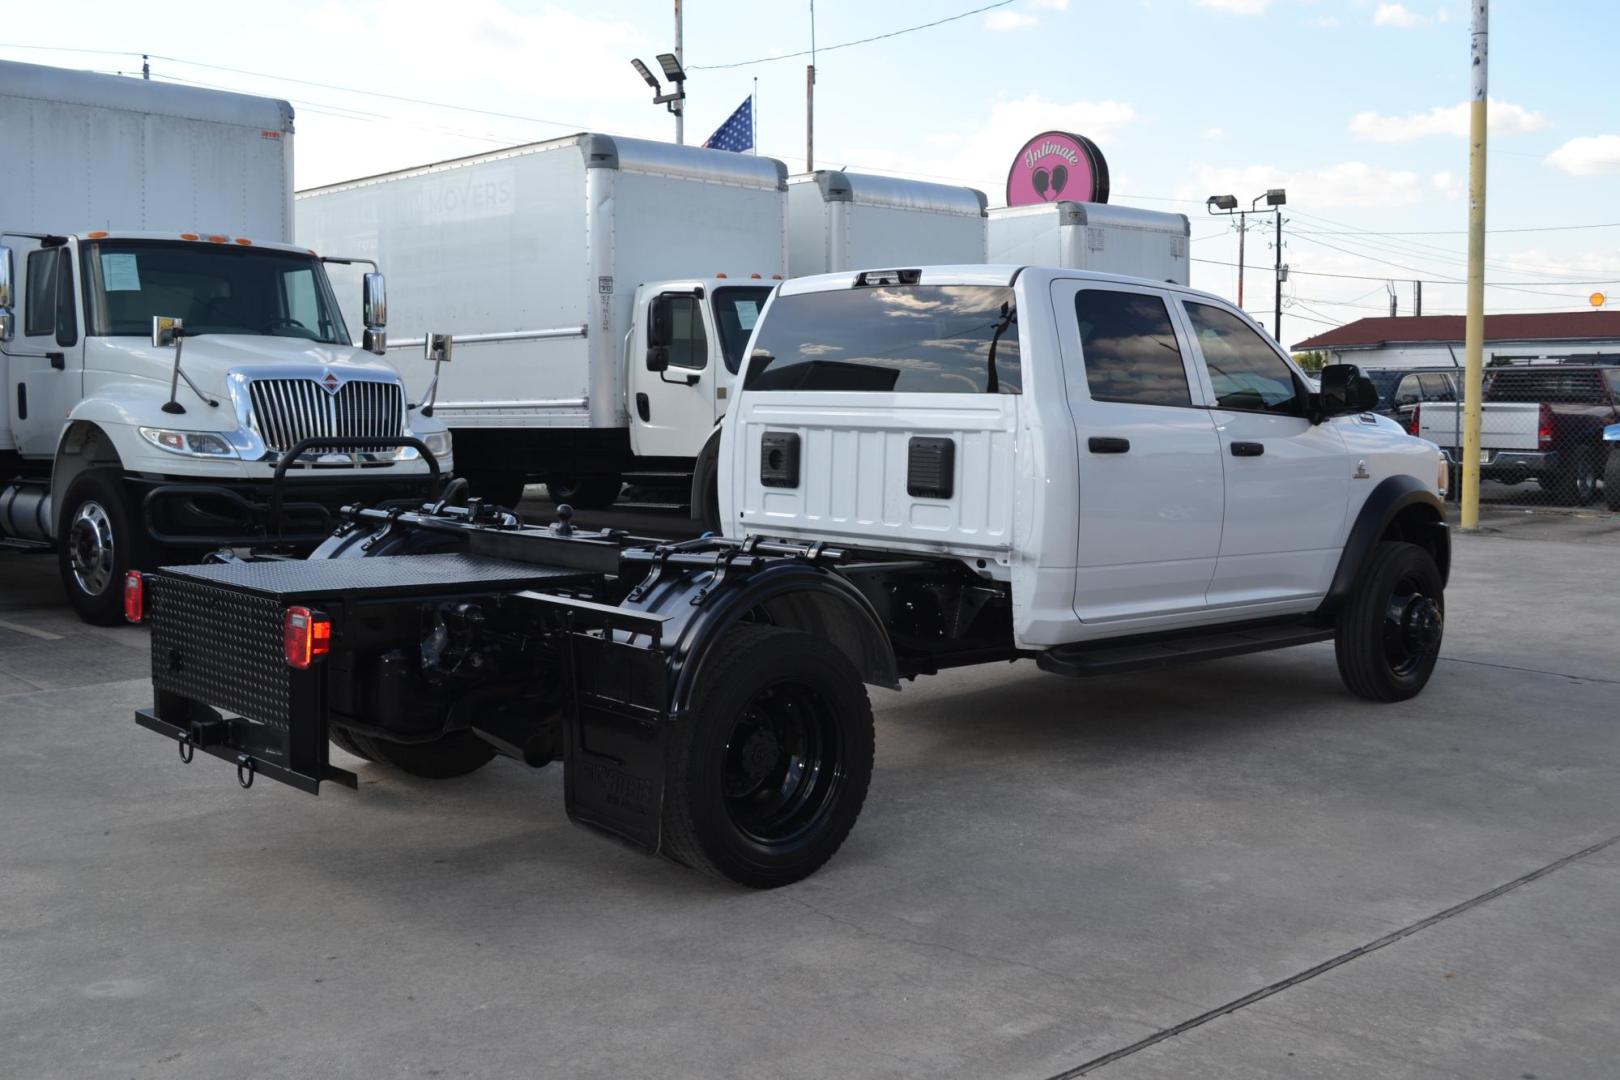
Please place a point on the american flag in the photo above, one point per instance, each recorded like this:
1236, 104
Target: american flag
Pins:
737, 133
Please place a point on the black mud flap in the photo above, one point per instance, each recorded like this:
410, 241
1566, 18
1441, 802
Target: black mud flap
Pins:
294, 754
614, 774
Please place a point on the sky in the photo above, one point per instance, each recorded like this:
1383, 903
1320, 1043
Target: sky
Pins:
1356, 107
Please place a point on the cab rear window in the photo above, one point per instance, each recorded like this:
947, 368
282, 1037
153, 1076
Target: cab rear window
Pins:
924, 339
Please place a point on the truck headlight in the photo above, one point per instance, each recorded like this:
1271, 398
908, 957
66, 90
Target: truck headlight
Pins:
439, 444
1443, 477
194, 443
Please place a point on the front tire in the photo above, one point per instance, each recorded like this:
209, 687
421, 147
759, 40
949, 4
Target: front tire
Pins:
769, 765
1611, 479
98, 543
1390, 630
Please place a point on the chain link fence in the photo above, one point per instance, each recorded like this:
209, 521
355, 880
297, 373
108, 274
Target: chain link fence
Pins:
1542, 431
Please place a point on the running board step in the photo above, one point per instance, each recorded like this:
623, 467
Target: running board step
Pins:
1110, 658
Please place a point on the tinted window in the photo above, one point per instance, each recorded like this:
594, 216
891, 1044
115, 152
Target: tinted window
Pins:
941, 339
1547, 384
1409, 392
39, 312
688, 344
736, 309
1437, 388
1129, 347
1246, 372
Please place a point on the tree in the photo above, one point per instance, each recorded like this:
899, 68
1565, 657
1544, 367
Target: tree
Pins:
1312, 360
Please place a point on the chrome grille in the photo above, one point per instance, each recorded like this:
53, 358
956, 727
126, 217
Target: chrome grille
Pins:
290, 410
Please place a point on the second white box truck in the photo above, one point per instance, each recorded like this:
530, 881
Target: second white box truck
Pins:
600, 290
855, 221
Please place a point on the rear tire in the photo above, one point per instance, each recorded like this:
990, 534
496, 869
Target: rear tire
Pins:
1390, 629
1611, 479
457, 754
769, 766
585, 493
98, 542
1577, 483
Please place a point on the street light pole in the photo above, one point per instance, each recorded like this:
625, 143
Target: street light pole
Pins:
680, 58
1243, 235
1276, 307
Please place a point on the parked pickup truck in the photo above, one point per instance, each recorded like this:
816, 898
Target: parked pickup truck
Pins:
1541, 422
922, 469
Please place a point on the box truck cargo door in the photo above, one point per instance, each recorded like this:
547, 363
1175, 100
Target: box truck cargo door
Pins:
672, 375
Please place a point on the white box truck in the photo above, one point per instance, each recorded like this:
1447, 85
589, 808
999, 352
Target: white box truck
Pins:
1093, 236
855, 221
600, 289
163, 348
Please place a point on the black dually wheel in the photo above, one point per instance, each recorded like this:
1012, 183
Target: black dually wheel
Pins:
1390, 630
770, 764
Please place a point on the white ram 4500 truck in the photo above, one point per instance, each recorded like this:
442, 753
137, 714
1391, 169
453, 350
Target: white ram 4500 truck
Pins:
1093, 236
600, 291
921, 469
123, 201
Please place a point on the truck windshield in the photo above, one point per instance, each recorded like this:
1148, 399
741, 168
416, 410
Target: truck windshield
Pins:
938, 339
215, 289
736, 309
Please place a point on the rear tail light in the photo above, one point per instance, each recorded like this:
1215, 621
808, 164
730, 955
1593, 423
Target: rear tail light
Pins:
306, 636
134, 597
1413, 425
1544, 432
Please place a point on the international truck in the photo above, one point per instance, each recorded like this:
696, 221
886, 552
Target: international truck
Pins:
931, 468
125, 204
1094, 236
599, 290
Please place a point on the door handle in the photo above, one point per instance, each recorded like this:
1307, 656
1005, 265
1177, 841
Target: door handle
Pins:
1108, 444
58, 360
1248, 449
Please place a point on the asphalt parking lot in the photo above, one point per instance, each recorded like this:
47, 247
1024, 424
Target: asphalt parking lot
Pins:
1235, 870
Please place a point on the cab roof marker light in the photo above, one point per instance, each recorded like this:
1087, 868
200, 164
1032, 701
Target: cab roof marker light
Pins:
756, 276
719, 275
189, 236
776, 277
217, 239
96, 234
244, 241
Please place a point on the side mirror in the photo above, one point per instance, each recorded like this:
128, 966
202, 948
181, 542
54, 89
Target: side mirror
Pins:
5, 294
1346, 390
166, 331
438, 348
374, 312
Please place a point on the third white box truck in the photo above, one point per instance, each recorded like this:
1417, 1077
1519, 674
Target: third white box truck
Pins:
1093, 236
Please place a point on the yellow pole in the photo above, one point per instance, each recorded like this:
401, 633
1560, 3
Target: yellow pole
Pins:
1474, 336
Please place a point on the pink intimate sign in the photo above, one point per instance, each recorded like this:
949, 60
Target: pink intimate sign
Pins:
1057, 165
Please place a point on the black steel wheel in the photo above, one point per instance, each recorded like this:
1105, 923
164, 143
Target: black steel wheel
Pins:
98, 542
1390, 630
770, 764
585, 492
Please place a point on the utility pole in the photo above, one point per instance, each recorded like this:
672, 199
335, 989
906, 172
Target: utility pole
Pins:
810, 98
1276, 307
1474, 335
1243, 232
1417, 298
146, 66
1393, 309
680, 58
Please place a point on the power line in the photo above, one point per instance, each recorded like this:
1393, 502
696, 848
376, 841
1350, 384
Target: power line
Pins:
848, 44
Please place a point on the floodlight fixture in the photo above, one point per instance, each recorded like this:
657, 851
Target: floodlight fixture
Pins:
672, 67
1227, 203
651, 79
1276, 196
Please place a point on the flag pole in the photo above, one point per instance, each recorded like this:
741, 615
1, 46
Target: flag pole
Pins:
753, 117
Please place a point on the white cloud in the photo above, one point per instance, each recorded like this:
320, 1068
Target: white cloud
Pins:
1399, 16
1503, 118
1214, 133
984, 150
1589, 155
1448, 185
1236, 7
1008, 20
1348, 183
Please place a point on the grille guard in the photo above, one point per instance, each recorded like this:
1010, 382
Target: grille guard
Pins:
304, 446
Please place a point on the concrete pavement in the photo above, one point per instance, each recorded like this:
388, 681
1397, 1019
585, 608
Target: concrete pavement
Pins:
1046, 873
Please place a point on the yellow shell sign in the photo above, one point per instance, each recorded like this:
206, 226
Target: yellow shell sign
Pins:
1597, 299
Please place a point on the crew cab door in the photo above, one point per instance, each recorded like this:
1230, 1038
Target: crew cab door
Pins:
44, 358
1287, 479
673, 374
1151, 494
